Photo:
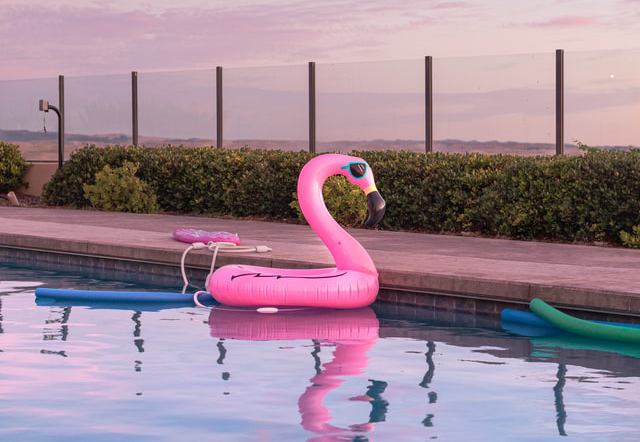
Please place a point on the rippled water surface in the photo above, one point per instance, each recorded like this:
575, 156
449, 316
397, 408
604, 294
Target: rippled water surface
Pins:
390, 374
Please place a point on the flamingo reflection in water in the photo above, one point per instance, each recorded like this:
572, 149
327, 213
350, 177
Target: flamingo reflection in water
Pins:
353, 332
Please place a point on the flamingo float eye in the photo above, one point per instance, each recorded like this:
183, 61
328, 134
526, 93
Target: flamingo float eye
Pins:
357, 170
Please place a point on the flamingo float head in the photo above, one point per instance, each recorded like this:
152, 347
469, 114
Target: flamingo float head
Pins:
359, 173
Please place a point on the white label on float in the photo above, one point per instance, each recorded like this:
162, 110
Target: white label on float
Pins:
267, 310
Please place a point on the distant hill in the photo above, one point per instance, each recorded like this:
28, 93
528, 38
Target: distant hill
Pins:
42, 146
27, 135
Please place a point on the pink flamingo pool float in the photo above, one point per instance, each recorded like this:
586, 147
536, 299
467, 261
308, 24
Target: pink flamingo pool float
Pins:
352, 283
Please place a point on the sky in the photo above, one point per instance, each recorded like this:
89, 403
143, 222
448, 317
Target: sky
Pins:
84, 37
493, 67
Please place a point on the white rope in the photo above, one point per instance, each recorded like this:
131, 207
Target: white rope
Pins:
215, 247
195, 298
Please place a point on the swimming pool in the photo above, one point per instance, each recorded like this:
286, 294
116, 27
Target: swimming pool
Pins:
386, 373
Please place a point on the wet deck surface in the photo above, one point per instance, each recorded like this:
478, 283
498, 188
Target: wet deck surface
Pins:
597, 278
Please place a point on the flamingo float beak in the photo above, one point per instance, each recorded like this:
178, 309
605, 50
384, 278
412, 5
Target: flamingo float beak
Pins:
375, 207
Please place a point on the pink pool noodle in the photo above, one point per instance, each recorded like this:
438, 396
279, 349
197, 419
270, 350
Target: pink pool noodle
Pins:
196, 235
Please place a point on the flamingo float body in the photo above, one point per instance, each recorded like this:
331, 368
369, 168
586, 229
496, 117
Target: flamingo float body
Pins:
352, 283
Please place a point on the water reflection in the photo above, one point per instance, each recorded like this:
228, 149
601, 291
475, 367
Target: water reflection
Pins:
618, 358
317, 363
379, 404
428, 376
61, 332
558, 390
49, 352
138, 341
222, 354
222, 351
426, 380
351, 332
1, 329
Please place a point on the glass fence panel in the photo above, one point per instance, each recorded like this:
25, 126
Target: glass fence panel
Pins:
23, 124
177, 108
495, 104
602, 98
266, 107
97, 111
491, 104
370, 105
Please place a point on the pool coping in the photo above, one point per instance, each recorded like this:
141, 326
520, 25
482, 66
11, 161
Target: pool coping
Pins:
424, 289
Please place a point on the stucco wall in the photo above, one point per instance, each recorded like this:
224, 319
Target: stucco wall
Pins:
37, 176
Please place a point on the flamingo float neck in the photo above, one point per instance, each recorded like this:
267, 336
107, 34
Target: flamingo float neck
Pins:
347, 253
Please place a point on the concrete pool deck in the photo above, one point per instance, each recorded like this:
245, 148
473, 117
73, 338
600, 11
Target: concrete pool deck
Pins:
411, 265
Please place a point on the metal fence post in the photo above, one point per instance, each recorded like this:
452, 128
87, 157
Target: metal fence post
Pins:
134, 108
428, 103
560, 102
219, 119
61, 121
312, 106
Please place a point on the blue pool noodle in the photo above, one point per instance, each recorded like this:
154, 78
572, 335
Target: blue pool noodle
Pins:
530, 319
525, 318
110, 296
113, 305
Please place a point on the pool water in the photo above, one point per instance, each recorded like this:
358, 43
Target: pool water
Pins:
385, 373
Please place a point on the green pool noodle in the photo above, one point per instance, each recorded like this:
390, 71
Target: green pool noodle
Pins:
584, 328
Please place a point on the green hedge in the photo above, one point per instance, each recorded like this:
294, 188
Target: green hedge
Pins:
593, 197
195, 180
12, 167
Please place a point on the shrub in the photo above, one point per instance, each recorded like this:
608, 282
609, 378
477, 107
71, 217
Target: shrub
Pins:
120, 190
12, 167
346, 203
593, 197
66, 185
632, 239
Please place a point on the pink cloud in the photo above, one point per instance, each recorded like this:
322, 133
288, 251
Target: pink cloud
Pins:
42, 38
104, 38
566, 21
78, 40
451, 5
